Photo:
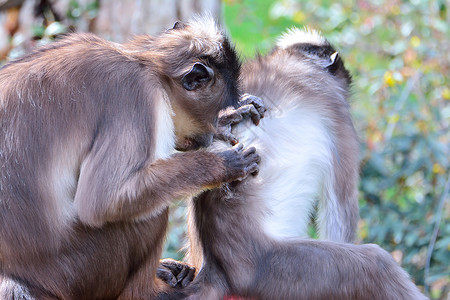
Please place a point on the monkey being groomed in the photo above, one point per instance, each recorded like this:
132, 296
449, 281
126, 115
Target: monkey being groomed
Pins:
244, 235
87, 134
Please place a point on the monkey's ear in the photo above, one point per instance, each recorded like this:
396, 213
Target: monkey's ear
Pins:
332, 64
178, 25
197, 77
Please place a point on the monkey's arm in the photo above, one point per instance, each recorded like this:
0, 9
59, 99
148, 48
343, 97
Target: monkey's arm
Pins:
116, 185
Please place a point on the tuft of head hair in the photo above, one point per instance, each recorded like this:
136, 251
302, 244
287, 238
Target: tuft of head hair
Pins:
304, 35
204, 35
206, 26
311, 46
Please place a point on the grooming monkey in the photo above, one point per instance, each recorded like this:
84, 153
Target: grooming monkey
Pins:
243, 235
87, 132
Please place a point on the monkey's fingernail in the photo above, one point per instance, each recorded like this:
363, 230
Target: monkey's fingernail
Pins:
182, 275
185, 283
253, 169
189, 277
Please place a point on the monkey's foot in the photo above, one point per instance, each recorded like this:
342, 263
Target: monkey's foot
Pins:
175, 273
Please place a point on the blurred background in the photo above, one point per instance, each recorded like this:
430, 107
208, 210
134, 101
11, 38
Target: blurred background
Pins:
399, 55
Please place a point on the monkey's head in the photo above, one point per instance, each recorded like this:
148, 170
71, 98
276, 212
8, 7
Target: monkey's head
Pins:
200, 69
311, 48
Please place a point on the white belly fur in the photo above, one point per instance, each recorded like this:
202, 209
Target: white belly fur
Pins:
296, 156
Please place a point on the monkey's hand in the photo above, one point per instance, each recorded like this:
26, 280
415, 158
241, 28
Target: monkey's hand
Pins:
175, 273
256, 103
240, 162
250, 106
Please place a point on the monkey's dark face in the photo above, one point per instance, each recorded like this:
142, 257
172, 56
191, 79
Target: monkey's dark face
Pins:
206, 84
199, 96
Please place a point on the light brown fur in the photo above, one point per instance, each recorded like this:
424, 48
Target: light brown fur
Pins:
87, 170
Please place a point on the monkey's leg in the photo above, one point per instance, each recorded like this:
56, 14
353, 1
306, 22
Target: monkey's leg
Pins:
100, 263
143, 284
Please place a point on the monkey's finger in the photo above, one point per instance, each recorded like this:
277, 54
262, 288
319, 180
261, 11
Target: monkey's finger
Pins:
255, 115
248, 111
229, 116
166, 276
238, 147
188, 278
234, 116
226, 137
255, 101
249, 151
253, 169
182, 274
186, 275
233, 140
174, 266
173, 269
251, 99
254, 158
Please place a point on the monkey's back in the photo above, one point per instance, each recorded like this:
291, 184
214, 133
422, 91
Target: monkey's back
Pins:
54, 104
307, 144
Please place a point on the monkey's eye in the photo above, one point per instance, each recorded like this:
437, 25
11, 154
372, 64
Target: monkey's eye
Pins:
197, 77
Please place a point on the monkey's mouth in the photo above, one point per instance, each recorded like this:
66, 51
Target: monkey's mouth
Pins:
187, 144
194, 143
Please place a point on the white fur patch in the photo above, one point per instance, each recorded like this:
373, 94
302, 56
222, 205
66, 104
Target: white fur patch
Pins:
296, 158
207, 35
300, 36
165, 133
64, 182
328, 217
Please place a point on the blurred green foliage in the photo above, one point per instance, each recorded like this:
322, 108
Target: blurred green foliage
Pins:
398, 54
89, 10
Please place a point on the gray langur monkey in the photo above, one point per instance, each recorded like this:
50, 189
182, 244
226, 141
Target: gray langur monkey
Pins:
310, 150
244, 235
87, 134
